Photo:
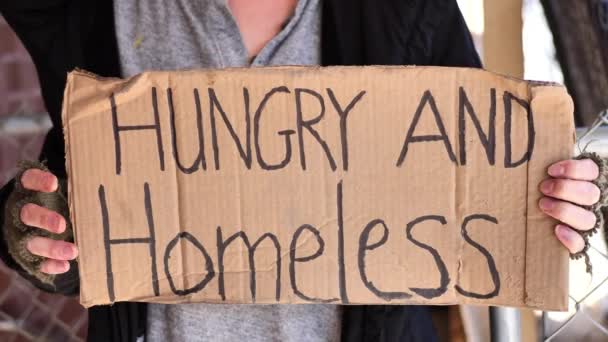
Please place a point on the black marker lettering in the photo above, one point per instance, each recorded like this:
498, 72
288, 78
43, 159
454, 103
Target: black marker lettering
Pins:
341, 267
308, 124
429, 293
118, 129
363, 248
108, 242
222, 245
488, 141
293, 259
256, 133
245, 154
410, 138
343, 113
491, 264
508, 100
210, 273
200, 158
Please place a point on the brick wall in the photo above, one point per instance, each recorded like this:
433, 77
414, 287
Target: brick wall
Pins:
27, 314
18, 81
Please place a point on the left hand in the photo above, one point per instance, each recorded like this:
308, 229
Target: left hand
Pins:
568, 188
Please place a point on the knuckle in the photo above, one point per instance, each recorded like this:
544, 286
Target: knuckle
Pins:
569, 166
35, 245
45, 180
560, 210
51, 221
26, 213
57, 251
45, 220
559, 186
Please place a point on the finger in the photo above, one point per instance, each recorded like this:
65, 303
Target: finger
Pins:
54, 249
568, 213
41, 217
569, 238
39, 180
584, 169
579, 192
52, 266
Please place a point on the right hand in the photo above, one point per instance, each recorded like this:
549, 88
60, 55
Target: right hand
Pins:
58, 253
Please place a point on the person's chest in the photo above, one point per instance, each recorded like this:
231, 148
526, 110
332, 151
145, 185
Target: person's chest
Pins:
154, 34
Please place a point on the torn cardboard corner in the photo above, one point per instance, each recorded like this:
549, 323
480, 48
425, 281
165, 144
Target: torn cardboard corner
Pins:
302, 185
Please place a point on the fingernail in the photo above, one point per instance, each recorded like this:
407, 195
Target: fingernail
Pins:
546, 204
556, 170
547, 187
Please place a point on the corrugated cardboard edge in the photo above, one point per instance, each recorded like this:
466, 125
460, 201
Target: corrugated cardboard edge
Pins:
533, 291
68, 164
77, 72
539, 258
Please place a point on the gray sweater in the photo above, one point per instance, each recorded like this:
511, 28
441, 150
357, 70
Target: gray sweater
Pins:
184, 34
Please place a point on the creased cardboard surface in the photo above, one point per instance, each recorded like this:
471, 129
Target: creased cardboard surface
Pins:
341, 185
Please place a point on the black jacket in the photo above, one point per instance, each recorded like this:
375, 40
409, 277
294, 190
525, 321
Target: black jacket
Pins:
61, 35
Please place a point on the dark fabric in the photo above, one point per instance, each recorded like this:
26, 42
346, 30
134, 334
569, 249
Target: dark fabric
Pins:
120, 322
396, 32
17, 234
384, 323
61, 35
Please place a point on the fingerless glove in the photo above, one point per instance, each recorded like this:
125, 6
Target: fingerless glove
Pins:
600, 209
17, 234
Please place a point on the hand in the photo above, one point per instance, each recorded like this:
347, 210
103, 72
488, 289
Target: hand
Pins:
58, 253
567, 190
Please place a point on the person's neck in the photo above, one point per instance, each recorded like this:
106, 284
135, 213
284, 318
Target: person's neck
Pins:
260, 20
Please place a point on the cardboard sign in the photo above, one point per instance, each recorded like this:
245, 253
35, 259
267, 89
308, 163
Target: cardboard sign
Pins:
316, 185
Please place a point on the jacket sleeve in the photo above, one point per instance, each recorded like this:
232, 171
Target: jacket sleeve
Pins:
44, 29
38, 25
453, 44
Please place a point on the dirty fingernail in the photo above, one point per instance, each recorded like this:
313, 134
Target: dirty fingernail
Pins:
568, 237
556, 170
546, 204
547, 186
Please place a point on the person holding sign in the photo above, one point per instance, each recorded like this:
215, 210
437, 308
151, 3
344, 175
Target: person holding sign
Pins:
127, 37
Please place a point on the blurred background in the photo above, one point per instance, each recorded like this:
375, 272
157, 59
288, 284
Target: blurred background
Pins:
27, 314
564, 41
